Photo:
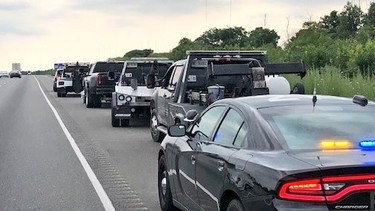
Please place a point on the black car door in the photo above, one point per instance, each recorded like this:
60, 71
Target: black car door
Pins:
213, 159
186, 158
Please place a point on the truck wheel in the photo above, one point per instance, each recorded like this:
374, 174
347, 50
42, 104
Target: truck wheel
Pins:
157, 136
97, 101
115, 122
298, 88
125, 122
84, 99
89, 100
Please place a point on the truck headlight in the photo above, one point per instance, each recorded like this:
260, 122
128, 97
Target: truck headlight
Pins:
121, 97
128, 99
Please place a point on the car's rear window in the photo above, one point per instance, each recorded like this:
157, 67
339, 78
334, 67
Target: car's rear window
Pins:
322, 127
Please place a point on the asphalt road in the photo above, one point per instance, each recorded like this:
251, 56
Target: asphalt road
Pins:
39, 169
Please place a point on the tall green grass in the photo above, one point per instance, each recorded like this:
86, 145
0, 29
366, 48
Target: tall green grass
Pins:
330, 81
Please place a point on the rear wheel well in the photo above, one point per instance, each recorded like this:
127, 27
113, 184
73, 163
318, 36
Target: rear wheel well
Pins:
226, 198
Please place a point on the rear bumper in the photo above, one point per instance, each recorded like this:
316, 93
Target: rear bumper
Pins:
103, 90
127, 111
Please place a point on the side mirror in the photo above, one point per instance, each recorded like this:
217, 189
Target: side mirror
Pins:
191, 116
150, 81
111, 75
177, 130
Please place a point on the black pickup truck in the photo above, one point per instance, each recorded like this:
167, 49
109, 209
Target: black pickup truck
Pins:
207, 76
100, 82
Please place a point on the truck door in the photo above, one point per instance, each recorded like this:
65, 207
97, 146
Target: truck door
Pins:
171, 94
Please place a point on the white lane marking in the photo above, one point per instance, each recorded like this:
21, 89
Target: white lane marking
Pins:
108, 206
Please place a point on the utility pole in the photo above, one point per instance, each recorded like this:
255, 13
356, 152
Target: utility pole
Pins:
230, 12
265, 20
206, 15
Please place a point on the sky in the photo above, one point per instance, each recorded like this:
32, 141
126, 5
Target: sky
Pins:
39, 33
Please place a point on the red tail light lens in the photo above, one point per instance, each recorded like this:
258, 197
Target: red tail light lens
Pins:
329, 189
99, 79
303, 190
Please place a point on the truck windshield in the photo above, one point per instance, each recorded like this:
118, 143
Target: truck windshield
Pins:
142, 70
108, 67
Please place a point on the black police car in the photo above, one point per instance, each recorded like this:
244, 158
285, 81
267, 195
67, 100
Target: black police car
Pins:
294, 152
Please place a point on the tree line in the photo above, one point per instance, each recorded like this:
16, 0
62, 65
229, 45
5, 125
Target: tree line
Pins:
342, 39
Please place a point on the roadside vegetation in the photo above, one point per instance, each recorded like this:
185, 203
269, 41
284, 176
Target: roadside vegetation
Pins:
338, 50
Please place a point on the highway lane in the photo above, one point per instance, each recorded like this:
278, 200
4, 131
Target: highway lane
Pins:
38, 167
124, 159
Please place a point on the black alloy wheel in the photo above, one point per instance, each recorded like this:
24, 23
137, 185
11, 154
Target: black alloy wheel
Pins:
164, 189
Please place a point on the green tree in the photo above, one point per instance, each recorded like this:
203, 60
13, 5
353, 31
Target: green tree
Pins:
310, 44
138, 53
185, 44
220, 38
350, 21
369, 18
262, 36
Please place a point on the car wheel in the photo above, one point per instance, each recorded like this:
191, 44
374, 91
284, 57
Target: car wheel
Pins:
298, 88
58, 94
157, 136
235, 205
54, 88
115, 122
125, 122
164, 189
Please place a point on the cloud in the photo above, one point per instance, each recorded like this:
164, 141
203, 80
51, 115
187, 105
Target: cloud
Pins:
148, 7
13, 6
21, 29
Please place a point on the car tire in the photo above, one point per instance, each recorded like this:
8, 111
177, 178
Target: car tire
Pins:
125, 122
58, 94
235, 205
115, 122
54, 89
298, 88
156, 135
164, 188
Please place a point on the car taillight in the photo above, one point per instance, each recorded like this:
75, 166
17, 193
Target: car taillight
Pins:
329, 189
57, 78
99, 79
302, 190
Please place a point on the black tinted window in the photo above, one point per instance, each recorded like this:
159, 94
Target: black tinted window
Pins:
204, 127
108, 67
140, 70
229, 128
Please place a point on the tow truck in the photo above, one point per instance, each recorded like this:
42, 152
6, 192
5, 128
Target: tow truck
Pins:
207, 76
132, 97
70, 77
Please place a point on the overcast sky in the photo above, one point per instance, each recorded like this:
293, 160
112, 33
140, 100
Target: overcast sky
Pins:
39, 33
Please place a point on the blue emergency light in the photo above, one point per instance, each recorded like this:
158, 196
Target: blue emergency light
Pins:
367, 144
